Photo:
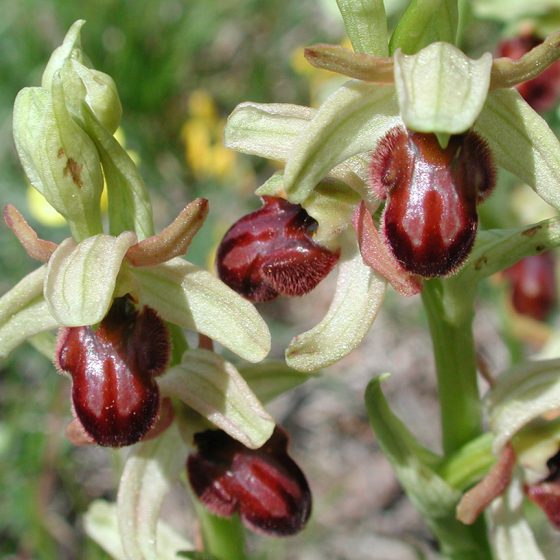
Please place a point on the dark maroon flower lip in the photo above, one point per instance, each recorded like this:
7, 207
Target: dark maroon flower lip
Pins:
114, 393
533, 285
265, 486
271, 252
430, 220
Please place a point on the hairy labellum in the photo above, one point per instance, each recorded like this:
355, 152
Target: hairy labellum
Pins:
533, 282
430, 218
546, 494
271, 252
114, 393
542, 92
265, 486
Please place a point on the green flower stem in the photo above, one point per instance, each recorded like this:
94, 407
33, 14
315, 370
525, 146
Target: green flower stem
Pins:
450, 313
450, 317
223, 537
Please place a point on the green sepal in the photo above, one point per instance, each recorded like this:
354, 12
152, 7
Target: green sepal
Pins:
130, 208
522, 395
272, 378
24, 312
96, 88
358, 296
522, 142
414, 466
440, 89
350, 122
149, 473
71, 48
215, 389
80, 279
196, 300
366, 25
499, 249
425, 22
101, 525
58, 157
266, 130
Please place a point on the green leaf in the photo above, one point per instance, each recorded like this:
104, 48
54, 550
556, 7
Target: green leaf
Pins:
59, 158
271, 378
149, 473
129, 202
81, 279
358, 296
195, 299
510, 534
349, 122
522, 394
196, 555
214, 388
24, 312
266, 130
366, 25
425, 22
101, 525
70, 48
498, 249
440, 89
413, 464
522, 142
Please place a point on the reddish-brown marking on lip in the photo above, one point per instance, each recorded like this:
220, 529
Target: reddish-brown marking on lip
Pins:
271, 252
114, 393
430, 218
265, 486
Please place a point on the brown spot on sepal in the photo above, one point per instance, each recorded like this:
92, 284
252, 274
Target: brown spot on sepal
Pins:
74, 169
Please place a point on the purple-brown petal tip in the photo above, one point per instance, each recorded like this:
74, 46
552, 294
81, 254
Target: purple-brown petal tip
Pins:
265, 486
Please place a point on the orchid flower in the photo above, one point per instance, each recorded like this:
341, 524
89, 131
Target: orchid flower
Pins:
432, 90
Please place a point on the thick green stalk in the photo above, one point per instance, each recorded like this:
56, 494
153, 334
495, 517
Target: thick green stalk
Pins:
223, 538
450, 314
450, 317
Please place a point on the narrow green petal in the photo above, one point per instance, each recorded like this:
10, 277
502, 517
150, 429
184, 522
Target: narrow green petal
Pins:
521, 395
440, 89
350, 122
510, 534
425, 22
195, 299
215, 389
130, 208
101, 525
271, 379
80, 279
24, 312
266, 130
149, 473
366, 25
522, 142
358, 296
